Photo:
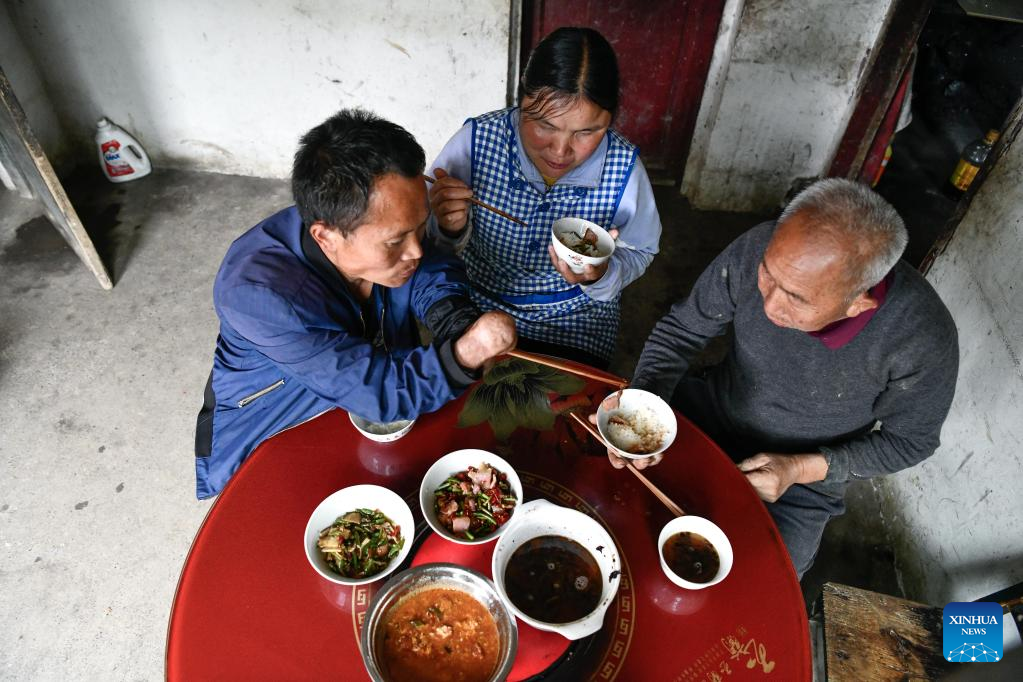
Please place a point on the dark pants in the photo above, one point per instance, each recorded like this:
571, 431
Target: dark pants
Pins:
800, 514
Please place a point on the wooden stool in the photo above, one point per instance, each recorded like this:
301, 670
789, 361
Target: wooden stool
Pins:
868, 636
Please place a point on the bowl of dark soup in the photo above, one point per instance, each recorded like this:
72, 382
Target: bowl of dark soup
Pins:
557, 569
438, 623
694, 552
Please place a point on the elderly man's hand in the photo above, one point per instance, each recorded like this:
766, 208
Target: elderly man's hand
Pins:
772, 474
489, 336
590, 273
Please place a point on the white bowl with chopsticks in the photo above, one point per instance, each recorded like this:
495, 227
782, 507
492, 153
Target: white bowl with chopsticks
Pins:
573, 230
637, 423
450, 465
351, 499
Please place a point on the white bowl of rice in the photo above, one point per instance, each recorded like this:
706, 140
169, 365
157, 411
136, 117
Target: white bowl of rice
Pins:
637, 423
381, 432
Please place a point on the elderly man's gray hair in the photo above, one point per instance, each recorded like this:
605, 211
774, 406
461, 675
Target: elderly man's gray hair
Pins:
858, 211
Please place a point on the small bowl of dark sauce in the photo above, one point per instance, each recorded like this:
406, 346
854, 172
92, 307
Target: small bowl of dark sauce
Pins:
694, 552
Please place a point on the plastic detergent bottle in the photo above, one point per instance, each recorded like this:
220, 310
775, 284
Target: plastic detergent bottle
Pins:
121, 156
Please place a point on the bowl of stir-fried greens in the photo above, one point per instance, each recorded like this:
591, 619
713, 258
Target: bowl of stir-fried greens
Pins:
359, 534
470, 496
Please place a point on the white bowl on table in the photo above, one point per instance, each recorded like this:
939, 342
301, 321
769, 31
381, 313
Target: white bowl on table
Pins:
381, 432
449, 465
631, 402
709, 530
349, 499
539, 518
577, 226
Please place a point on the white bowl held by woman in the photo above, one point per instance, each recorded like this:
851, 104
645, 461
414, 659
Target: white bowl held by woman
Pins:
381, 432
449, 465
430, 576
709, 530
648, 416
575, 229
539, 518
350, 499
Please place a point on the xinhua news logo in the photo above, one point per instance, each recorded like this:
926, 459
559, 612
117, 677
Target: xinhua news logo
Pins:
972, 632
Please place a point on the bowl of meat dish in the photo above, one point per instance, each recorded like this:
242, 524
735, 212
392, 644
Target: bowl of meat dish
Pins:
637, 423
381, 432
438, 623
470, 496
557, 569
359, 534
695, 553
580, 243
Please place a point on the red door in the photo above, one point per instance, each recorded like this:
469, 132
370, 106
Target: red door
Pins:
664, 49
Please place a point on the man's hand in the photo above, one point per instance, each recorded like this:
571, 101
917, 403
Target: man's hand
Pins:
589, 275
772, 474
449, 201
489, 336
614, 456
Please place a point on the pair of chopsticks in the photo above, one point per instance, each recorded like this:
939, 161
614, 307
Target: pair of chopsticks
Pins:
667, 501
495, 209
611, 379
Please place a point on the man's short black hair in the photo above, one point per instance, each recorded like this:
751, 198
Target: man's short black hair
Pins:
338, 161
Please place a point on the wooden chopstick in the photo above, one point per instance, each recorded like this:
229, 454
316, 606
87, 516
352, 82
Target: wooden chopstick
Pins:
668, 502
568, 367
479, 203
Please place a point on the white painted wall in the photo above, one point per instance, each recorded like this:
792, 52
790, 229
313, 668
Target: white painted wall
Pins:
230, 86
28, 87
782, 85
957, 519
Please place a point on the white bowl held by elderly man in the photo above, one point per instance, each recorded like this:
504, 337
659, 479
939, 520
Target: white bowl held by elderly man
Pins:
352, 513
637, 423
580, 243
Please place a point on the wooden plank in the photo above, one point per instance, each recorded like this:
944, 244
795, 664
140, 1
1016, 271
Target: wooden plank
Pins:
28, 154
871, 637
906, 20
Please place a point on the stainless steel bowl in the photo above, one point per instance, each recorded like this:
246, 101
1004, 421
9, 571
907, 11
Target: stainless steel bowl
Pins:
430, 576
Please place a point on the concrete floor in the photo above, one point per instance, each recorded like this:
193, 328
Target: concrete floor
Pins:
99, 390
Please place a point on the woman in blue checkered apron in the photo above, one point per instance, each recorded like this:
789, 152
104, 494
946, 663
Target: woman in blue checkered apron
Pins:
553, 156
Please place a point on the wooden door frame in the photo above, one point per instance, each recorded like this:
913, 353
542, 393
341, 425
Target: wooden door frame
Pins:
901, 32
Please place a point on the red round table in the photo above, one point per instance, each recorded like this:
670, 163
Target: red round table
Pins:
249, 606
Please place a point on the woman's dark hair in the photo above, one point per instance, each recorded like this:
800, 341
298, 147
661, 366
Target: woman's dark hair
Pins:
338, 160
568, 64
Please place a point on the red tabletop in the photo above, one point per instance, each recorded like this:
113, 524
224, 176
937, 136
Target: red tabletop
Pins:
249, 606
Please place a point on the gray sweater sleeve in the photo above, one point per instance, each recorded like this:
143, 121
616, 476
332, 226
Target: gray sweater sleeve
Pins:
910, 412
692, 322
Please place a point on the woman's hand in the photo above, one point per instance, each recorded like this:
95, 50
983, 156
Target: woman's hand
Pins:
449, 201
590, 273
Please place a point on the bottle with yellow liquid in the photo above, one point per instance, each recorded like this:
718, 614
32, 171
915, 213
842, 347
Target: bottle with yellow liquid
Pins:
971, 160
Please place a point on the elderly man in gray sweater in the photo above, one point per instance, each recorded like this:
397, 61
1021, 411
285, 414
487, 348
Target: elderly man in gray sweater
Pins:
842, 363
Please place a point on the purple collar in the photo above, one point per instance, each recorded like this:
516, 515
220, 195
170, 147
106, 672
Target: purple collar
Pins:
839, 333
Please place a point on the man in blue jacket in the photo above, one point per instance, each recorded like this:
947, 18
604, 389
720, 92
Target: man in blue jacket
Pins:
318, 303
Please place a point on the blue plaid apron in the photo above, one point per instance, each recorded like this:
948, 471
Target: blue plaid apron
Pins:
508, 263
